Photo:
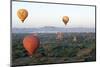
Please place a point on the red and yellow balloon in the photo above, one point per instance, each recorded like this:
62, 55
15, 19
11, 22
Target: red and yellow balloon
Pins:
22, 14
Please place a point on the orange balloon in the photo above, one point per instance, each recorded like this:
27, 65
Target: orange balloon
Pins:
22, 14
31, 44
65, 19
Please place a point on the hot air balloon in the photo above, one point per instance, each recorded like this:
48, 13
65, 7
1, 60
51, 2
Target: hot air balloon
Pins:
31, 44
22, 14
65, 19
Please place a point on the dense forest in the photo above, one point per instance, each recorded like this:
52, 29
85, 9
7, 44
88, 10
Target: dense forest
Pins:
73, 47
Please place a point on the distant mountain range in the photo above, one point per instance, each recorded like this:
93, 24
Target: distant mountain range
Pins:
51, 29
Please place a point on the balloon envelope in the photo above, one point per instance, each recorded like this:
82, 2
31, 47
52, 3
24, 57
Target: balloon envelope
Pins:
65, 19
31, 44
22, 14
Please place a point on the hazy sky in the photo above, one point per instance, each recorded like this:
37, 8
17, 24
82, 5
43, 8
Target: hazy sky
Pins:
40, 15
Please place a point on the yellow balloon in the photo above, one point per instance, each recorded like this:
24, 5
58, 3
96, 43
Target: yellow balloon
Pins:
22, 14
65, 19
